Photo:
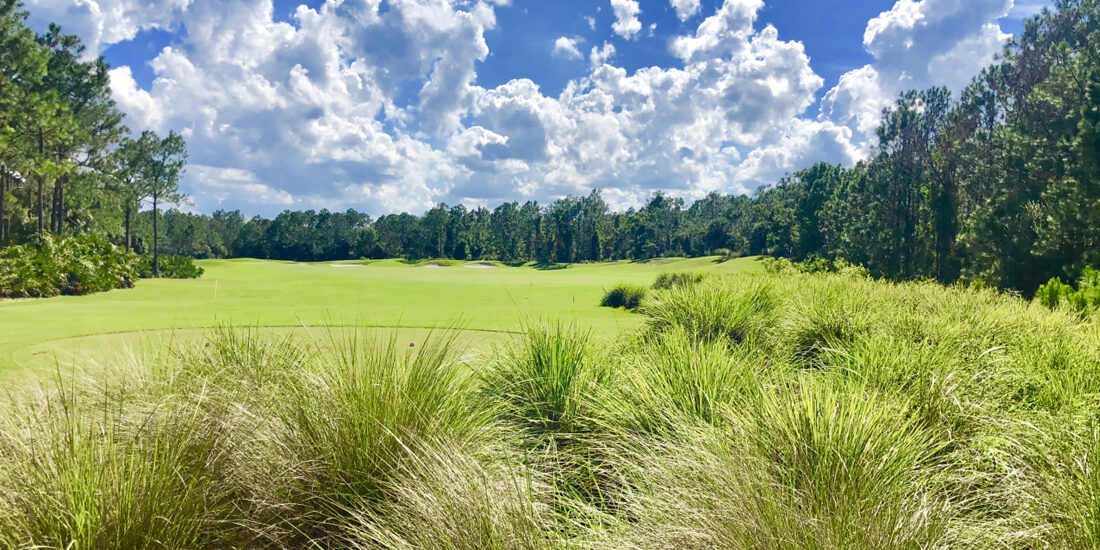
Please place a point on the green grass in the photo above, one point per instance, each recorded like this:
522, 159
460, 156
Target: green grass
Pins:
746, 411
281, 294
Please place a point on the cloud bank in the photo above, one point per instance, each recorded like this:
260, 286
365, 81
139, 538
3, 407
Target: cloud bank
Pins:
377, 105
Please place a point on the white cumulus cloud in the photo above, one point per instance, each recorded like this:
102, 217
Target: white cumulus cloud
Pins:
916, 44
685, 9
567, 47
377, 105
101, 23
627, 24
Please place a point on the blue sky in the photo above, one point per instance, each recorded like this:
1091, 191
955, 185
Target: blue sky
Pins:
388, 105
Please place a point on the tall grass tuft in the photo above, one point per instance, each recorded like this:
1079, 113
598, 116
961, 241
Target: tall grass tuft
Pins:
448, 498
624, 295
541, 382
672, 372
666, 281
826, 320
715, 310
809, 466
368, 408
119, 464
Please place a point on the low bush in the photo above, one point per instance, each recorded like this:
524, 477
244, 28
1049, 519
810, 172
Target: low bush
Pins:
1085, 297
666, 281
725, 255
172, 267
48, 266
815, 264
624, 296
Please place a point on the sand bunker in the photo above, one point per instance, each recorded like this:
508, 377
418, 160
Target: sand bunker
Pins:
480, 266
434, 266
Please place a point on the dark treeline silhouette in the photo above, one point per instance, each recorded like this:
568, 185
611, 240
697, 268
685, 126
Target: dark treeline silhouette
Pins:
1001, 184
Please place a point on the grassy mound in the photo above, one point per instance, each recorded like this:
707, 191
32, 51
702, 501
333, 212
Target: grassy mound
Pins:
779, 411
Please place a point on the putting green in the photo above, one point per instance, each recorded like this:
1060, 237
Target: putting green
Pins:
483, 300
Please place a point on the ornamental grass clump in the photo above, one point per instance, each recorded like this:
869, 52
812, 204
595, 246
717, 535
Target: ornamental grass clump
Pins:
669, 280
624, 296
740, 312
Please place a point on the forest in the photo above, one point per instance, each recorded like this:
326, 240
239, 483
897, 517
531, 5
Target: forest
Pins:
1000, 185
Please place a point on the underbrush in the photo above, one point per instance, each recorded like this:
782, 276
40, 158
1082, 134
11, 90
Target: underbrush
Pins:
780, 411
1085, 297
172, 267
48, 266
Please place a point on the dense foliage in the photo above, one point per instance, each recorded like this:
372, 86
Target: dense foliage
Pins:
78, 265
67, 166
781, 411
1084, 297
1000, 184
172, 267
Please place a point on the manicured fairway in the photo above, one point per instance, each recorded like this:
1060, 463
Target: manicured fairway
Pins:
37, 333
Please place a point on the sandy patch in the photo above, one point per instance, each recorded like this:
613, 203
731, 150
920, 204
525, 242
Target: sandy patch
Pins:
434, 266
480, 266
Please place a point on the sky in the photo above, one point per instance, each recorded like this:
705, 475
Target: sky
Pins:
395, 105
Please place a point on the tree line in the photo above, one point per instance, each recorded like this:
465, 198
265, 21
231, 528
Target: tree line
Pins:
999, 185
67, 163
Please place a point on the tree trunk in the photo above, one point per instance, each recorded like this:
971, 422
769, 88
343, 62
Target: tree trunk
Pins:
946, 230
3, 207
57, 212
156, 247
41, 212
62, 183
129, 231
41, 180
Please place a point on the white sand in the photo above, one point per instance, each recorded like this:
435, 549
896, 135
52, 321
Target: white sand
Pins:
480, 266
433, 266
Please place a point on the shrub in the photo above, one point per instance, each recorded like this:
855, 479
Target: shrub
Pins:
815, 264
725, 255
666, 281
624, 296
172, 267
779, 265
77, 265
1085, 297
